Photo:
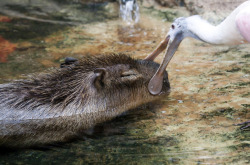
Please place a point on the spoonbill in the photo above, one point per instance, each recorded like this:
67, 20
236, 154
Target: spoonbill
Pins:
234, 30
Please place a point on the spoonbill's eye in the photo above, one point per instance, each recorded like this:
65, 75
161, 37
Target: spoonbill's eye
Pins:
172, 26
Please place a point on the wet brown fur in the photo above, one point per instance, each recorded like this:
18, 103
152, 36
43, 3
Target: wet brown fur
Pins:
57, 106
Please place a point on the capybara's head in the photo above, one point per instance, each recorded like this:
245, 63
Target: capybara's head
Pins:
107, 81
112, 80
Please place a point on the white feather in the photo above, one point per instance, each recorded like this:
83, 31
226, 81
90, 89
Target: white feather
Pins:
224, 33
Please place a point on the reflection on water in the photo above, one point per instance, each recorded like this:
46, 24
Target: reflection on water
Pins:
194, 125
120, 141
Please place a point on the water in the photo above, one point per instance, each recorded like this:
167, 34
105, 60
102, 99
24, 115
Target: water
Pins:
194, 125
129, 11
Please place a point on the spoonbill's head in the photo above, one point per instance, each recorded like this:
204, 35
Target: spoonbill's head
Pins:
178, 31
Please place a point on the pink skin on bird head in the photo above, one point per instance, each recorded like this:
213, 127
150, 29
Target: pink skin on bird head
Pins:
243, 24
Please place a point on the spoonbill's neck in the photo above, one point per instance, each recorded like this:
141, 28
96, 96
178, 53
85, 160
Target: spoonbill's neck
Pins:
224, 33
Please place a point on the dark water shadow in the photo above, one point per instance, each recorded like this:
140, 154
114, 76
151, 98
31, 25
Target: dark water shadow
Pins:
128, 138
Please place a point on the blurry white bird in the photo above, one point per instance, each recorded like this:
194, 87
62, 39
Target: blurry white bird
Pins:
234, 30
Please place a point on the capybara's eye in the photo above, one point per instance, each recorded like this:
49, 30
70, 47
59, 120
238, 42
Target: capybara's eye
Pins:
129, 73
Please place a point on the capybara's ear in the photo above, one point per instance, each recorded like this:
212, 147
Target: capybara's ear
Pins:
100, 74
68, 61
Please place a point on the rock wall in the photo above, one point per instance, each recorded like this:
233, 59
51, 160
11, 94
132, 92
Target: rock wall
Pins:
170, 3
202, 6
212, 10
94, 1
